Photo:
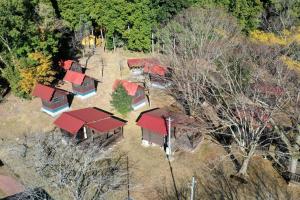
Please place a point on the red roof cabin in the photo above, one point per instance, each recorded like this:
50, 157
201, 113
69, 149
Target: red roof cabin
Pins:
54, 101
71, 65
82, 85
134, 90
90, 123
136, 65
154, 124
151, 67
158, 75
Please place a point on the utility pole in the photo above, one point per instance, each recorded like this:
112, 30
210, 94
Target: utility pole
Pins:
193, 188
128, 191
169, 152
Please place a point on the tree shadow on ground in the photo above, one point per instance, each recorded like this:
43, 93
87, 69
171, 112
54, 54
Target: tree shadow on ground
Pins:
216, 184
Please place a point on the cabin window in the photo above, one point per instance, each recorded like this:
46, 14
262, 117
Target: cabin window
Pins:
109, 134
57, 99
139, 93
87, 83
116, 131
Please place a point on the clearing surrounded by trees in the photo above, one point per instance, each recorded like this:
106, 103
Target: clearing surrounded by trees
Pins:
149, 99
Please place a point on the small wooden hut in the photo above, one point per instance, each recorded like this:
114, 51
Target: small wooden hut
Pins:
82, 85
136, 65
54, 101
158, 75
71, 65
134, 90
152, 68
186, 132
90, 123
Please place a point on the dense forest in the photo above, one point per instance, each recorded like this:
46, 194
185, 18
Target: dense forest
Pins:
35, 34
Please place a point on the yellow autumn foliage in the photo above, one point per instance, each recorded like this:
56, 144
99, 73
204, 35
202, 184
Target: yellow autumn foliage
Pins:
286, 37
290, 63
41, 73
91, 40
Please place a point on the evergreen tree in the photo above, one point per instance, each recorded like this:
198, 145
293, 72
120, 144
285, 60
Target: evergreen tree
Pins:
121, 101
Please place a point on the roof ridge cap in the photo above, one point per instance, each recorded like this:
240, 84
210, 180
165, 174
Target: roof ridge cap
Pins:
95, 121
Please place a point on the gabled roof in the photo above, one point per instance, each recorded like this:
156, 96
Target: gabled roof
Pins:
69, 123
130, 87
155, 121
74, 77
106, 124
94, 118
89, 114
141, 62
135, 62
67, 64
43, 91
156, 70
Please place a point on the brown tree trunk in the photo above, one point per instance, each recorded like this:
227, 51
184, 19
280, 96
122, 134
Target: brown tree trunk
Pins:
245, 164
243, 170
293, 164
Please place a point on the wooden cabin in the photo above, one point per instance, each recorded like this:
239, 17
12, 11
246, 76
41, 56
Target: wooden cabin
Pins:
151, 67
90, 123
54, 101
158, 75
136, 65
71, 65
82, 85
134, 90
185, 131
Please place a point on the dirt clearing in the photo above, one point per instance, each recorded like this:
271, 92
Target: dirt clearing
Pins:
149, 166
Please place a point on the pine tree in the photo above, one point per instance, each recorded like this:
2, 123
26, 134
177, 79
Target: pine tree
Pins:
121, 101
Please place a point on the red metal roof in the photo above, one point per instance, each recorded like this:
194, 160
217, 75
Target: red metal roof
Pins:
69, 123
43, 91
135, 62
141, 62
66, 64
155, 121
156, 70
130, 87
89, 114
74, 77
106, 124
96, 119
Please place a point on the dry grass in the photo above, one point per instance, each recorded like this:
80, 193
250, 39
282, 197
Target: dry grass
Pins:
150, 168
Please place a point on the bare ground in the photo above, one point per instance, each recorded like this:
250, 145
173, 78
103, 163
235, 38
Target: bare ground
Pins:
149, 166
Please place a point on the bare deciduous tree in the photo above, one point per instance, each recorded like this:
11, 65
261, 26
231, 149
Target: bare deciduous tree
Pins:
85, 172
211, 66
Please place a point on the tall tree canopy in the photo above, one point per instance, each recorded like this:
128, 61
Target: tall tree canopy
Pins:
25, 27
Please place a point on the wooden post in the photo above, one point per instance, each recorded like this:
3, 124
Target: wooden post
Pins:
101, 33
114, 43
174, 44
102, 70
152, 41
